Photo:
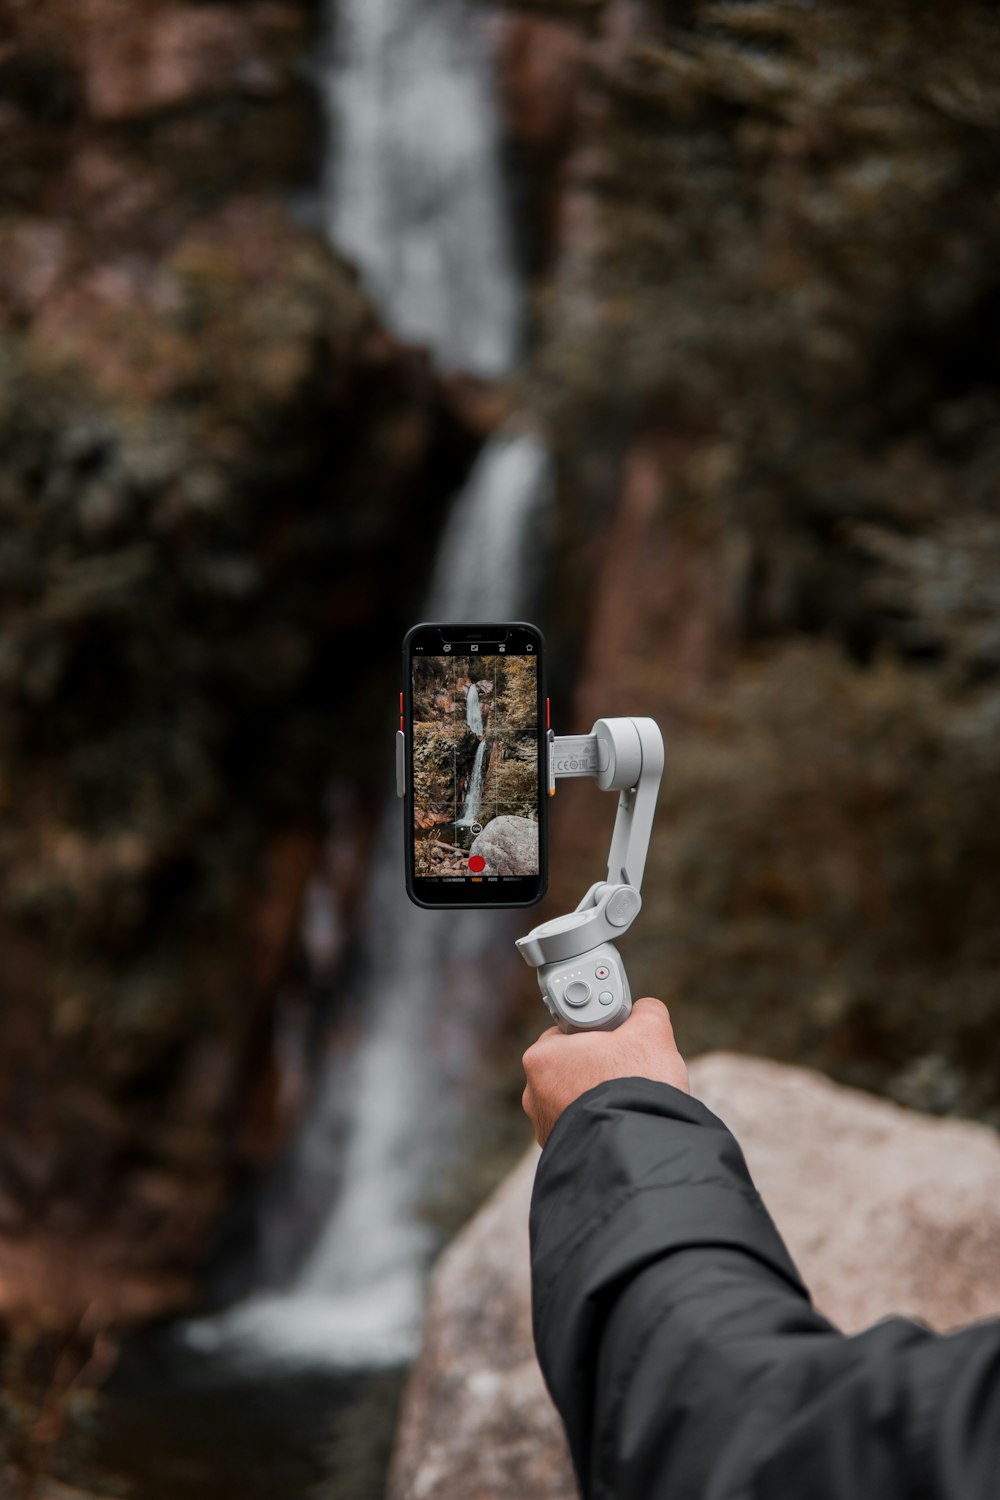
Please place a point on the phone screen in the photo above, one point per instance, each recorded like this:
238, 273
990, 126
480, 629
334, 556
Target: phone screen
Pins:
475, 735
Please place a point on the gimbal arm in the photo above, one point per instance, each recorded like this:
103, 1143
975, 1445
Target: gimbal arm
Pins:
580, 973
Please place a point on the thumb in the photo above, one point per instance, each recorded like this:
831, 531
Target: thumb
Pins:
649, 1007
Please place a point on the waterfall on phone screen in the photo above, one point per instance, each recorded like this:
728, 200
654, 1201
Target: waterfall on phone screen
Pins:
473, 710
475, 792
415, 198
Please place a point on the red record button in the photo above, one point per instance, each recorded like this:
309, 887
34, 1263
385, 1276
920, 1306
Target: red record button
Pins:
477, 863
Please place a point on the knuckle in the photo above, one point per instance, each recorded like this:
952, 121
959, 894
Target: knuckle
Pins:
657, 1013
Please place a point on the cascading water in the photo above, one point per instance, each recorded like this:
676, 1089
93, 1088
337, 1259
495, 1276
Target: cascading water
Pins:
428, 987
474, 710
415, 199
414, 192
475, 792
488, 563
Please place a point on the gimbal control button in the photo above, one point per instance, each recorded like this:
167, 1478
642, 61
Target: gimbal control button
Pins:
622, 907
606, 997
577, 992
602, 971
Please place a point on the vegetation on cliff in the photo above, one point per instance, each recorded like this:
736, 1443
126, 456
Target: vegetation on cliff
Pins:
214, 464
787, 254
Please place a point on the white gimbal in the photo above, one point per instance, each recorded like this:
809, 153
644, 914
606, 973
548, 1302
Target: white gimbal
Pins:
580, 973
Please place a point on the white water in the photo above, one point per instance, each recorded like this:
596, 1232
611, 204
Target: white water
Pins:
432, 980
434, 250
473, 797
429, 985
488, 564
474, 710
475, 793
414, 192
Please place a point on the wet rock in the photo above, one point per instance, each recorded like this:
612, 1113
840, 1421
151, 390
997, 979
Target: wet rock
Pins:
509, 845
885, 1211
537, 62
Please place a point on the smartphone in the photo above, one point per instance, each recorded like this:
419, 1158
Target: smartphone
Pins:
474, 719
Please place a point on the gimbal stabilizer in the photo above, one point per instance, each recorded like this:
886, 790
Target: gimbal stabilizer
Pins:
580, 973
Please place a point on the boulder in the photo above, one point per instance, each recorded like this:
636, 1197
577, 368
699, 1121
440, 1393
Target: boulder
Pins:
884, 1211
508, 845
476, 1418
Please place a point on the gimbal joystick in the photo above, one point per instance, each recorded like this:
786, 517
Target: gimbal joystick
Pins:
580, 973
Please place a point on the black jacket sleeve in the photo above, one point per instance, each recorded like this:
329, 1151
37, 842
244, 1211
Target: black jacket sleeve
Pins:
683, 1353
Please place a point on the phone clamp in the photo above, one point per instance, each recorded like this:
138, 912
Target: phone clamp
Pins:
580, 972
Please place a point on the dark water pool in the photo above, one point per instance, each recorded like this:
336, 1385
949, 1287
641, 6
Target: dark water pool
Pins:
168, 1424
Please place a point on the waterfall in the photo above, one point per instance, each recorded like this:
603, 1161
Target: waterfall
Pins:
488, 563
473, 710
392, 1116
414, 192
415, 198
474, 796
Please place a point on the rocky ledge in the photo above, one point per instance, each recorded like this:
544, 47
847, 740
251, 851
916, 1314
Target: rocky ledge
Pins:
884, 1211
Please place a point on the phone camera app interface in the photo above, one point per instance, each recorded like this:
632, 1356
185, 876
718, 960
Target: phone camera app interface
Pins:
475, 764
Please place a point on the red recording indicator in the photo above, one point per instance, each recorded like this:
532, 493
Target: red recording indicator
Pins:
548, 715
477, 863
401, 725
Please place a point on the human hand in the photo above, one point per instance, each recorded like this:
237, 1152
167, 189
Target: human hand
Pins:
560, 1066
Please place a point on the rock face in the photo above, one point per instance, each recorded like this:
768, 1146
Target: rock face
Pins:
508, 845
883, 1210
217, 468
798, 578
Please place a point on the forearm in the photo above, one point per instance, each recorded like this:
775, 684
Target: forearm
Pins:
683, 1352
711, 1382
635, 1172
